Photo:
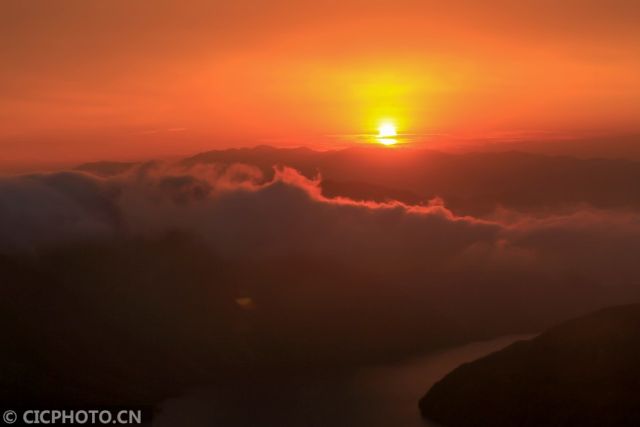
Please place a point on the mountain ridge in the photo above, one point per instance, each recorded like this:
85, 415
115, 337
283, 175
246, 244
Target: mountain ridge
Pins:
581, 372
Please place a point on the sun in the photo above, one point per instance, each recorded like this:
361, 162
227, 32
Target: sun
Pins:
387, 130
387, 133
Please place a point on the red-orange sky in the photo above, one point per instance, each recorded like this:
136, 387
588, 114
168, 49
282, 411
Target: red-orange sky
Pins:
84, 80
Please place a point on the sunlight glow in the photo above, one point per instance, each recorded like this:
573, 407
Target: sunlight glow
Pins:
387, 141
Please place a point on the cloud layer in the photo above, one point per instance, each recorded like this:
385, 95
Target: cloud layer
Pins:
240, 215
235, 269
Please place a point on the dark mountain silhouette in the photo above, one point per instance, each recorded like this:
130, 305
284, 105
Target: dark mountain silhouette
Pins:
105, 168
139, 320
584, 372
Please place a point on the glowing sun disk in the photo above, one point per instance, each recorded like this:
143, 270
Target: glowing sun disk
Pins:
387, 130
387, 133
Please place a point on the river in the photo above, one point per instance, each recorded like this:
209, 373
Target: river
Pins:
374, 396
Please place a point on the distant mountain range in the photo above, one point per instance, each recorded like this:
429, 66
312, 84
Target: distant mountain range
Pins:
472, 183
584, 372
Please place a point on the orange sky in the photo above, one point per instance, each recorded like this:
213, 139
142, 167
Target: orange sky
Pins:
84, 80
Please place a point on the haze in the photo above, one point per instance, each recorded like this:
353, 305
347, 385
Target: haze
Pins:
257, 197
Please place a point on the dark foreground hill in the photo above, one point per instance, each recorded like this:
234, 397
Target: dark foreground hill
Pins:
584, 372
